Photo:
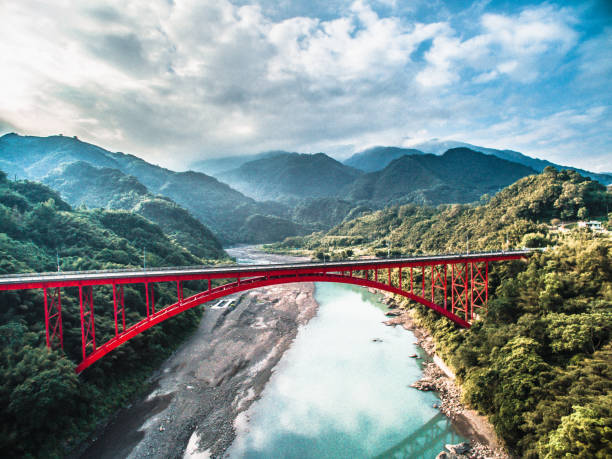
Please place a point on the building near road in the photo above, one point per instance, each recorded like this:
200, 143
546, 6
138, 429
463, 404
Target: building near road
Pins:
592, 225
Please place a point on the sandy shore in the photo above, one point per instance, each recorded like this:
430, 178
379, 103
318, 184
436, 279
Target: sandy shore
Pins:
438, 377
214, 376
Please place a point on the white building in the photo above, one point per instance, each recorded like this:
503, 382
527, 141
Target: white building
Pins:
593, 225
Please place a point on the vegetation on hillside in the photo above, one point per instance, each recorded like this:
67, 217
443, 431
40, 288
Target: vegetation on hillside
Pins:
111, 189
213, 203
517, 216
539, 364
39, 385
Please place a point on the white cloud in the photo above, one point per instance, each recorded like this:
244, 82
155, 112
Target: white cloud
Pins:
175, 80
520, 47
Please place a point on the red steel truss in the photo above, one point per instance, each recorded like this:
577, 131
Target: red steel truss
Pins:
426, 283
53, 317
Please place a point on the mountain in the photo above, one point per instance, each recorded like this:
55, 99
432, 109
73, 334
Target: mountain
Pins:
111, 189
459, 175
215, 166
213, 203
291, 176
377, 158
515, 211
439, 147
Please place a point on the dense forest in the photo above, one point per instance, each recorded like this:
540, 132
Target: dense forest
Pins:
46, 407
539, 363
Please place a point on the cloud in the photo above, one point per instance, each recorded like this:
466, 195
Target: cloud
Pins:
173, 81
520, 47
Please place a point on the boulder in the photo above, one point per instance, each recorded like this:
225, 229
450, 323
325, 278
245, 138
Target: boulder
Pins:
459, 448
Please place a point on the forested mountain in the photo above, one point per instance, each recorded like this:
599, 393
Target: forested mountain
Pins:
213, 203
538, 364
517, 215
38, 384
439, 147
377, 158
111, 189
292, 176
459, 175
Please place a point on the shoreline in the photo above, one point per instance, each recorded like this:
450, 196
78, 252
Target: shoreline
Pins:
438, 377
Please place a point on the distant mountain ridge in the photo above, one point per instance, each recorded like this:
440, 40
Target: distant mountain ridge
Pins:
221, 164
459, 175
378, 158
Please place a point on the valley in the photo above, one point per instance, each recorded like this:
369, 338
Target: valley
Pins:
103, 210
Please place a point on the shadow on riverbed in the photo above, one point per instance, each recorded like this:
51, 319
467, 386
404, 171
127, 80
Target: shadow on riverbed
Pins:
122, 435
420, 442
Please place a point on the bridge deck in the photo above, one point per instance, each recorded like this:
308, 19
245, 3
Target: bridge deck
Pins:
75, 278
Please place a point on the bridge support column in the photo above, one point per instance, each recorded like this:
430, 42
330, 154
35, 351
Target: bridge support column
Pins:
179, 292
53, 317
400, 278
480, 286
411, 286
460, 290
118, 308
152, 298
423, 279
147, 297
438, 281
88, 328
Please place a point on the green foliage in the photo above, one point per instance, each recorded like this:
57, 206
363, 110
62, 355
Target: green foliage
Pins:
539, 363
543, 352
514, 217
585, 433
39, 385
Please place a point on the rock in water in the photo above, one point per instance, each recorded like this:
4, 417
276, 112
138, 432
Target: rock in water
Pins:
459, 448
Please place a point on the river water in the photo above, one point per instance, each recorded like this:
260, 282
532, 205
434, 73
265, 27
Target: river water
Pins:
342, 389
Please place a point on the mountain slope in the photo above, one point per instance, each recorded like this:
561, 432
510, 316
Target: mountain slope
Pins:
215, 204
438, 147
377, 158
214, 166
459, 175
111, 189
291, 176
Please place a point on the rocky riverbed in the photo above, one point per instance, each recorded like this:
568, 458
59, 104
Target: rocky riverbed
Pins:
439, 378
215, 375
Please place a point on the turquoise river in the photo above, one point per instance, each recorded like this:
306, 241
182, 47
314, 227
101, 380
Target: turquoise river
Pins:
343, 390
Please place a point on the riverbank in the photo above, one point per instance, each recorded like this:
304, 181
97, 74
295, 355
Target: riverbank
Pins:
438, 377
215, 375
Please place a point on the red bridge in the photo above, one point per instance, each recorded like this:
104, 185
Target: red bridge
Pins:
455, 286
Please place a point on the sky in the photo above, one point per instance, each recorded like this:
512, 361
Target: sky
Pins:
174, 81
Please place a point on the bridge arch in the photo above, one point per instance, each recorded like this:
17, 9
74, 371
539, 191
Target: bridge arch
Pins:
453, 285
250, 284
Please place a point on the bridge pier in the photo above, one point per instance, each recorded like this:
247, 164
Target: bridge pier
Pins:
88, 327
53, 319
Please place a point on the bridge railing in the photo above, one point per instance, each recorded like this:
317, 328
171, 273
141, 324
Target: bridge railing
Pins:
234, 265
